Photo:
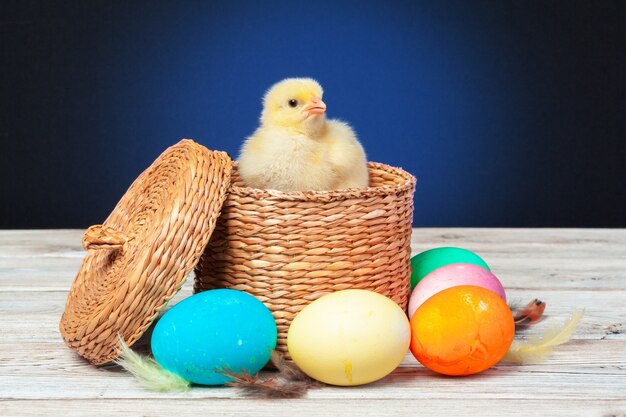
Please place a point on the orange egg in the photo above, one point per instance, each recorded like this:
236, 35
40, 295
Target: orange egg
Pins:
462, 330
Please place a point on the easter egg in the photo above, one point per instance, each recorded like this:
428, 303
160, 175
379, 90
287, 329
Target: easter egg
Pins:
212, 331
424, 263
451, 276
462, 330
349, 337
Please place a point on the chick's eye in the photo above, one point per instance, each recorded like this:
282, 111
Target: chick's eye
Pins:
293, 102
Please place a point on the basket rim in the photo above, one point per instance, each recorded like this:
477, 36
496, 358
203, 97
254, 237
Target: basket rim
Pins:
332, 195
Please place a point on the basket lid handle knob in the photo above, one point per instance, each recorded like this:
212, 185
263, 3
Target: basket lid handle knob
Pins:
104, 237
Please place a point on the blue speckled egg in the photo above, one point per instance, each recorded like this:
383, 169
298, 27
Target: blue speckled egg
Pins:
212, 330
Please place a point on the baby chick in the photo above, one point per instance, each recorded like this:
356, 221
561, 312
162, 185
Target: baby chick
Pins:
296, 148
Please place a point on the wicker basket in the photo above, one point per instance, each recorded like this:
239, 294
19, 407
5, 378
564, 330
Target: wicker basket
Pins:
290, 248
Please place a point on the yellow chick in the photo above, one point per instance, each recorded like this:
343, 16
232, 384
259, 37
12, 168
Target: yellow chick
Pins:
296, 148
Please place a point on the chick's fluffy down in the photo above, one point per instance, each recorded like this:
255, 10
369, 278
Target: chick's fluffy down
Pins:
280, 159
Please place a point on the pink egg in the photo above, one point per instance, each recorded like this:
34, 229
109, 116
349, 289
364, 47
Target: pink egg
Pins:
451, 276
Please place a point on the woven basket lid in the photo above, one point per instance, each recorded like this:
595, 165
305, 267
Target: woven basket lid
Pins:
140, 256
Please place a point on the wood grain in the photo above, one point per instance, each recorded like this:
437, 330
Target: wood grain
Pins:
567, 268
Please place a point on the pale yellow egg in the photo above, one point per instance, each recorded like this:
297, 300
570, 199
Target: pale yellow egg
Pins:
349, 337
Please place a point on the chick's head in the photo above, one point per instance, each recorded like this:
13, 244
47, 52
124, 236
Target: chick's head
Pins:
295, 103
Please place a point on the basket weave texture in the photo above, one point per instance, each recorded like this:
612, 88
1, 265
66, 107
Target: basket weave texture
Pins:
290, 248
140, 256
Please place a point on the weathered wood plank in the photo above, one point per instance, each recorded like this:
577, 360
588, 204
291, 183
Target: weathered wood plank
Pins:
35, 315
583, 357
314, 407
429, 236
541, 258
404, 383
528, 273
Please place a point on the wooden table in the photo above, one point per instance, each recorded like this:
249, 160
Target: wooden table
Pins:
567, 268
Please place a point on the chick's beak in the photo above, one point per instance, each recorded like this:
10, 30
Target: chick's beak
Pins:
317, 106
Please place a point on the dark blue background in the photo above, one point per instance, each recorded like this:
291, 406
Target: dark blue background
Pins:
509, 113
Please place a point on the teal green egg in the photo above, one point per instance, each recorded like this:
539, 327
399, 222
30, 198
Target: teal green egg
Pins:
424, 263
213, 331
